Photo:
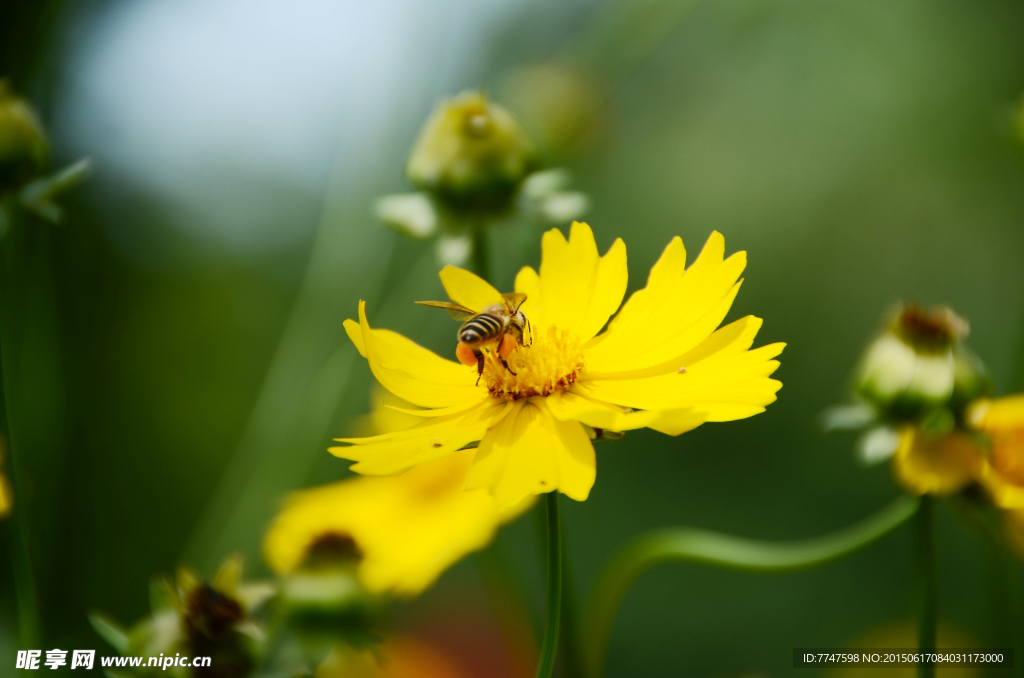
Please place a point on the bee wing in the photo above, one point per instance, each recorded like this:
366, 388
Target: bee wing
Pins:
513, 300
456, 311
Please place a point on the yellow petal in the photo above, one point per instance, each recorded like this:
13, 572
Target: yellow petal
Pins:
531, 452
1000, 414
677, 309
1005, 490
394, 452
570, 406
528, 282
719, 378
941, 465
579, 290
468, 289
355, 333
412, 372
408, 528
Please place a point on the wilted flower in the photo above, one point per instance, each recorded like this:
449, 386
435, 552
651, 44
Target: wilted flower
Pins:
914, 384
196, 618
661, 364
917, 365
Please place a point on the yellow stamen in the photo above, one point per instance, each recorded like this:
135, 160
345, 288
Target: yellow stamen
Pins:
551, 363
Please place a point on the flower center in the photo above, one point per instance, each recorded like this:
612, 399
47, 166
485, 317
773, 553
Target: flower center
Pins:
929, 330
551, 363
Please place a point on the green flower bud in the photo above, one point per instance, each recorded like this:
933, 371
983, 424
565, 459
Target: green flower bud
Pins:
23, 147
326, 584
910, 369
471, 154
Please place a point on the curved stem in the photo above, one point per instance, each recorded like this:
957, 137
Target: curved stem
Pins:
549, 647
927, 584
688, 544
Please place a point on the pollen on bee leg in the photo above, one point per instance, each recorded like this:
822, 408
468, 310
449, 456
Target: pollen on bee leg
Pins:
465, 355
508, 344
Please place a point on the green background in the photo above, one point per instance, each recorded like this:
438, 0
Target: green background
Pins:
164, 389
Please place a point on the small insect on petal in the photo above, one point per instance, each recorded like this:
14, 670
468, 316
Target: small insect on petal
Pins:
681, 370
508, 344
465, 354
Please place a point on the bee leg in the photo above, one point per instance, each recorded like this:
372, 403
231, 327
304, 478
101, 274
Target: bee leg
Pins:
505, 363
479, 366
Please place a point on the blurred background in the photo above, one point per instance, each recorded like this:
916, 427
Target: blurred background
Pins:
179, 359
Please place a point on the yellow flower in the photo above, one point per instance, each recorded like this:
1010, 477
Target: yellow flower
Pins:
661, 363
404, 531
1002, 474
936, 464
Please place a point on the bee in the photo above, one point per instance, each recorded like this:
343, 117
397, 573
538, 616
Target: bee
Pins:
502, 324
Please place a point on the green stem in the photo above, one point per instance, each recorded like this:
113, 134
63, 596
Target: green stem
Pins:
481, 250
927, 584
549, 647
571, 666
24, 581
21, 563
703, 546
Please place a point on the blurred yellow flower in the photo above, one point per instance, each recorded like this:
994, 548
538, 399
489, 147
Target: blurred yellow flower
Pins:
1002, 474
661, 363
6, 491
926, 463
404, 531
6, 497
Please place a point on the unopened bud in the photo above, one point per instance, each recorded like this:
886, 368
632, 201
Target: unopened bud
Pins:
472, 154
327, 581
23, 147
912, 367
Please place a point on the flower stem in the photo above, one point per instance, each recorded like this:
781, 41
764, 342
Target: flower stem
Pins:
481, 250
549, 646
26, 601
927, 584
686, 544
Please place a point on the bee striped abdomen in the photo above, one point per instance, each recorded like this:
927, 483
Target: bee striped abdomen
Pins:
481, 328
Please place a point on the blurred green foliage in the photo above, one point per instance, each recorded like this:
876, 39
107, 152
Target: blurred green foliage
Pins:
861, 152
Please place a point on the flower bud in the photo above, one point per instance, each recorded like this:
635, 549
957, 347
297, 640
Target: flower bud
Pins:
916, 364
23, 147
326, 582
472, 154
